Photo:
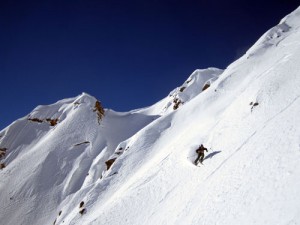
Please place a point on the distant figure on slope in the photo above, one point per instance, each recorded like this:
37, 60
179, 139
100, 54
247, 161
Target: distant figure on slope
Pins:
200, 152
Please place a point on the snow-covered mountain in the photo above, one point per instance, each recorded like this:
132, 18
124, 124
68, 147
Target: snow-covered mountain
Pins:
74, 162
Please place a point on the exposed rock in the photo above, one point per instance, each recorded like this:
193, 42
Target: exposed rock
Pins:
52, 122
253, 105
82, 211
35, 120
81, 204
205, 86
100, 111
2, 166
2, 152
109, 163
85, 142
182, 89
176, 102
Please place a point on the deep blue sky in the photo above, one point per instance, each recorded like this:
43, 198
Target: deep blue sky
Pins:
128, 54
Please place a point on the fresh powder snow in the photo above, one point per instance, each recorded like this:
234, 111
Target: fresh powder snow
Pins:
75, 162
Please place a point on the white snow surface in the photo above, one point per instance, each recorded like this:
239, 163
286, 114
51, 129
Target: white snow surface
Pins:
248, 119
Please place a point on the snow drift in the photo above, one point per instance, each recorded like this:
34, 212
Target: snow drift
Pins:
65, 165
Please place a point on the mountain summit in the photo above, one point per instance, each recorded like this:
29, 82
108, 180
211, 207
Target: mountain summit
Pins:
76, 162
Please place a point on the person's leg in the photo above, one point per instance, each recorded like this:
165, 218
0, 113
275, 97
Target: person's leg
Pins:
196, 161
201, 158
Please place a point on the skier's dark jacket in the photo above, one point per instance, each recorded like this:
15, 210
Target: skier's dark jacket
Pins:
201, 149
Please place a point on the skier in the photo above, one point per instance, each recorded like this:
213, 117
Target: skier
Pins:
200, 152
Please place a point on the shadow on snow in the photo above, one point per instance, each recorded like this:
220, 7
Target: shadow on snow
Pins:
210, 155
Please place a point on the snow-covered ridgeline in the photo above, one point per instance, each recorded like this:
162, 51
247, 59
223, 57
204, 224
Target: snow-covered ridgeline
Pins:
248, 119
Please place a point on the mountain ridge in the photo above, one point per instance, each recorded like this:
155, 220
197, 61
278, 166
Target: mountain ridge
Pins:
247, 118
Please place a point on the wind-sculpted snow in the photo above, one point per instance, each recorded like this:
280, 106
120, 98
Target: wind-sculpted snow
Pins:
248, 119
47, 164
197, 82
274, 36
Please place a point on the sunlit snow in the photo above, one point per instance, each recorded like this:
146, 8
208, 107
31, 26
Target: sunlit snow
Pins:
248, 118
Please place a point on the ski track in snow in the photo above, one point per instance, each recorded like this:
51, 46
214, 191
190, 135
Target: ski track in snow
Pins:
252, 135
254, 179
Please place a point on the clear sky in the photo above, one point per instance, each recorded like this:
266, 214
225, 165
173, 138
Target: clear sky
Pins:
128, 54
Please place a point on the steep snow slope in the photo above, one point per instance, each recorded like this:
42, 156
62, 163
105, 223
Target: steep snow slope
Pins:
45, 164
248, 119
58, 150
251, 175
197, 82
